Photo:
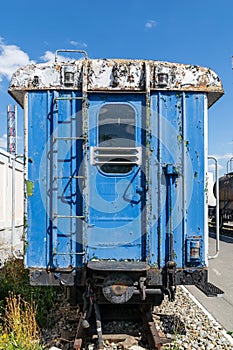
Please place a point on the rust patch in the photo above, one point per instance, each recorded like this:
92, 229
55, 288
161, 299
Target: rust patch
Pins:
117, 75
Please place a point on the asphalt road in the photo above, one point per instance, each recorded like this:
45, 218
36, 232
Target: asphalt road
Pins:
220, 274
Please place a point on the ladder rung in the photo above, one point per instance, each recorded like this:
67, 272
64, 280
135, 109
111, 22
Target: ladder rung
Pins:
69, 98
69, 177
71, 253
69, 216
68, 138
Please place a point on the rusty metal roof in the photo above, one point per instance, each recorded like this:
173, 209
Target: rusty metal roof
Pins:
118, 75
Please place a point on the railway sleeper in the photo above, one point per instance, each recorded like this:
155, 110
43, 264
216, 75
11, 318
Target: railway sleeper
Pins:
155, 338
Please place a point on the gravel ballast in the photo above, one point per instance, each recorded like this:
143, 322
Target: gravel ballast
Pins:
188, 325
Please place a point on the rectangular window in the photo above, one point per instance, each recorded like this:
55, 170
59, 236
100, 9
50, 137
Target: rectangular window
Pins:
116, 151
116, 125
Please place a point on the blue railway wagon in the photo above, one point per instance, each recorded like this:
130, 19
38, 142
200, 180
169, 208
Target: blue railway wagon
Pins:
116, 155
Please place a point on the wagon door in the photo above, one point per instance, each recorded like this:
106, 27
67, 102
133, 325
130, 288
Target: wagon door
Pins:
116, 181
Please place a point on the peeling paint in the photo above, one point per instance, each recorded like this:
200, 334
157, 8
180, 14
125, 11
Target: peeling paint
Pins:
116, 74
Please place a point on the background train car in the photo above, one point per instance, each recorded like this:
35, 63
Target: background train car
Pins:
117, 161
225, 199
11, 207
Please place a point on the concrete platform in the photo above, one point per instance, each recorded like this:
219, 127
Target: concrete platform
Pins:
220, 274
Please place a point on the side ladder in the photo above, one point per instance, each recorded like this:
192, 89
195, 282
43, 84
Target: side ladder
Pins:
69, 174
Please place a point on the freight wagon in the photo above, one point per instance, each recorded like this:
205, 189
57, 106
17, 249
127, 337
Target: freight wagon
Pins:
225, 200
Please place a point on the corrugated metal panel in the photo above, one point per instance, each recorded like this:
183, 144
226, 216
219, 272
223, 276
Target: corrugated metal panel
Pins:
11, 240
114, 224
54, 234
177, 140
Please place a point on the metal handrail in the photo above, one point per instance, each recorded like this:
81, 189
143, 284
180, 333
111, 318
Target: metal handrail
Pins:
76, 51
229, 162
217, 207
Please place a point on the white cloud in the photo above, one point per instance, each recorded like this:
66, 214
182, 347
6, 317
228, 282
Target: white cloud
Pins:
151, 24
211, 167
3, 142
223, 157
224, 164
48, 56
78, 43
11, 58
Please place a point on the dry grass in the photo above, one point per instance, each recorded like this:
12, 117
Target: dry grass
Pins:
19, 329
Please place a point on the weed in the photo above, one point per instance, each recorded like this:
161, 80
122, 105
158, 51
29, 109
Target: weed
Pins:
19, 329
15, 278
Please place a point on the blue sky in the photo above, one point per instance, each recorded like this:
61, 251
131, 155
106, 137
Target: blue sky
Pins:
196, 32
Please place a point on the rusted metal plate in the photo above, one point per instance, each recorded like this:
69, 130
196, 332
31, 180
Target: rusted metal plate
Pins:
115, 75
99, 265
118, 288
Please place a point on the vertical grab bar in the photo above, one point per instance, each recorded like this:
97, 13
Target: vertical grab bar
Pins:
172, 173
229, 162
217, 207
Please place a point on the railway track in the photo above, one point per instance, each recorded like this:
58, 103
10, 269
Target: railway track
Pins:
141, 329
182, 323
155, 338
